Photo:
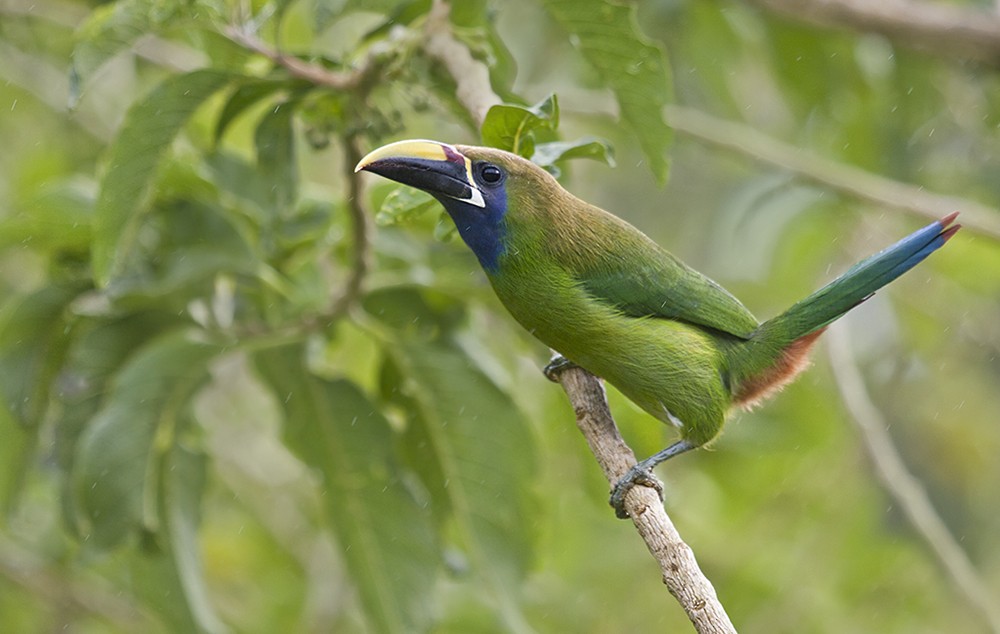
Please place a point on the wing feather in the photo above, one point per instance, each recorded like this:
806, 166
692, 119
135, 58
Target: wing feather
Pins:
641, 279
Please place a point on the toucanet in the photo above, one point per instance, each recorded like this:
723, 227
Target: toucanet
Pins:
607, 298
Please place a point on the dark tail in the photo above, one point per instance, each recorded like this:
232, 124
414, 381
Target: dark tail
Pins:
777, 351
861, 281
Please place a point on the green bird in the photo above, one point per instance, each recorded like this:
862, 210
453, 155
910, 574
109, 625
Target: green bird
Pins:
607, 298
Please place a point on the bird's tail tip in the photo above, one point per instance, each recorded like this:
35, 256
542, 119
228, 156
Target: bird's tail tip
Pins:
948, 229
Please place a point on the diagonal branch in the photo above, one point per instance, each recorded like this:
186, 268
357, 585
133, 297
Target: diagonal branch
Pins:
472, 79
942, 29
301, 69
834, 175
681, 574
902, 485
361, 230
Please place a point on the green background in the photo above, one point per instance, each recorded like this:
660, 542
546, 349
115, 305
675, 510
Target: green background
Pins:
202, 432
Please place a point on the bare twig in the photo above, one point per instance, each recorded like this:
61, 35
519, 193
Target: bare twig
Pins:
947, 30
841, 177
681, 574
360, 229
51, 584
903, 486
301, 69
472, 78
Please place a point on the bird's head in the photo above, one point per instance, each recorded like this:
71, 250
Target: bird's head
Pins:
478, 186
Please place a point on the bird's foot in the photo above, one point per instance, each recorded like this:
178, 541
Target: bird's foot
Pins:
639, 474
556, 365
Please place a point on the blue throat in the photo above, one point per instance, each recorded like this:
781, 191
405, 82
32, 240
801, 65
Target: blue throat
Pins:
483, 229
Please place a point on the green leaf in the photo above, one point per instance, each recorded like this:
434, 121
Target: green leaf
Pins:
444, 228
276, 163
181, 593
469, 434
501, 63
16, 452
511, 127
421, 312
110, 29
387, 539
246, 95
97, 352
166, 574
119, 455
240, 187
609, 38
476, 27
34, 333
56, 217
150, 126
547, 154
403, 204
402, 14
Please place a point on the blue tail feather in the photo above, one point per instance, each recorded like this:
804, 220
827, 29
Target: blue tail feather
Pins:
859, 283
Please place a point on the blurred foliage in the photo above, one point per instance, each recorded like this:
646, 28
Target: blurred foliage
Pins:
209, 425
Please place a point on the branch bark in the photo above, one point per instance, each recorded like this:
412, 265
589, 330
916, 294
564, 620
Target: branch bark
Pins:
361, 230
942, 29
680, 571
472, 78
834, 175
301, 69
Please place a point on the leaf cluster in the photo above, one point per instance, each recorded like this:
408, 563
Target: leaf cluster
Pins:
203, 242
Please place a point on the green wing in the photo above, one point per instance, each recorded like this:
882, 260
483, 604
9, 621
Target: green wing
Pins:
643, 280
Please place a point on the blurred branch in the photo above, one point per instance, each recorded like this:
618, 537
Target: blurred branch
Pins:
841, 177
360, 229
681, 574
52, 586
472, 78
301, 69
901, 485
942, 29
62, 12
49, 84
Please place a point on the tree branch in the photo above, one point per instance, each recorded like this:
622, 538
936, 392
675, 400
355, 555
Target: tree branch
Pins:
62, 592
841, 177
902, 485
472, 78
361, 230
680, 571
301, 69
941, 29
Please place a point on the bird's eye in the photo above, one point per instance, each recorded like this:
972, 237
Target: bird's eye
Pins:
490, 173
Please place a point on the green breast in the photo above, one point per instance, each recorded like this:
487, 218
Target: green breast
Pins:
662, 365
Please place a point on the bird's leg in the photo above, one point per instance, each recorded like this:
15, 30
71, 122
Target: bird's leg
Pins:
642, 473
557, 364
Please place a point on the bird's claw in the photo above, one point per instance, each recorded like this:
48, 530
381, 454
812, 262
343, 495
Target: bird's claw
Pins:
556, 365
636, 475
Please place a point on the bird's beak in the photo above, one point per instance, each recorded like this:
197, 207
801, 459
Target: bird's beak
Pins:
437, 168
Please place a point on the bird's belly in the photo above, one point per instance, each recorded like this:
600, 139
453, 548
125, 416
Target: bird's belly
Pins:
670, 369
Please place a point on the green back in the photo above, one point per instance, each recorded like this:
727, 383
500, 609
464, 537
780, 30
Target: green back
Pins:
649, 281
